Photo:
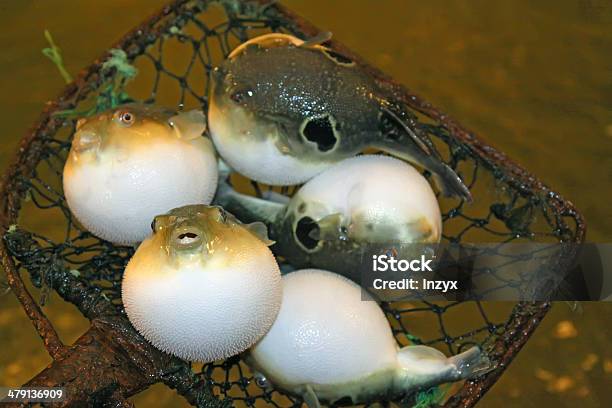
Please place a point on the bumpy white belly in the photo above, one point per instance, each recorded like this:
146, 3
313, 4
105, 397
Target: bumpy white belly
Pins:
325, 333
202, 312
116, 198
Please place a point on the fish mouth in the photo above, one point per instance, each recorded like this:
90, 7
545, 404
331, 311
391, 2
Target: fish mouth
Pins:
186, 237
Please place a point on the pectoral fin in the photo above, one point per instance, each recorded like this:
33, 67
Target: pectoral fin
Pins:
285, 141
188, 125
260, 230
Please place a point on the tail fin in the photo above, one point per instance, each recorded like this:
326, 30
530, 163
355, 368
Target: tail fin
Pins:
471, 363
248, 209
445, 178
449, 182
423, 366
412, 148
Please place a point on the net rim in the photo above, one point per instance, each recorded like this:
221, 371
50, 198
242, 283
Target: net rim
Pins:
525, 316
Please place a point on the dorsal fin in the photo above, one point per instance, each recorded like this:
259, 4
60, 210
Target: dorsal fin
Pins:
260, 230
188, 125
257, 228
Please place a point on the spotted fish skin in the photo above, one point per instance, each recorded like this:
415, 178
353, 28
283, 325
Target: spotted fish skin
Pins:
312, 108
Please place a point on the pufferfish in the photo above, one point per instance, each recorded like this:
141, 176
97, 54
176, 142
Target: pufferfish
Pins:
282, 110
129, 164
204, 286
329, 343
368, 203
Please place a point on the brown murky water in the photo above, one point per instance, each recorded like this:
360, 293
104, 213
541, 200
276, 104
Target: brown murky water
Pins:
533, 79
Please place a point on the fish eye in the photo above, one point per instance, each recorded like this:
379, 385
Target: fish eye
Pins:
240, 95
126, 118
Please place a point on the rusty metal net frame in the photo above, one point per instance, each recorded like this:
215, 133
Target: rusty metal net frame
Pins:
87, 272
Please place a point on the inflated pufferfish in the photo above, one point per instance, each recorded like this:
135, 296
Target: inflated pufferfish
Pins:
282, 110
327, 343
204, 286
132, 163
349, 208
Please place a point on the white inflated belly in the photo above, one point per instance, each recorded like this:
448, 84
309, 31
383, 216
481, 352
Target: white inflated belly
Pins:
117, 198
377, 188
324, 333
202, 313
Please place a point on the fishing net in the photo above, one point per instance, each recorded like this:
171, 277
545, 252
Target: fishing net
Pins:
173, 52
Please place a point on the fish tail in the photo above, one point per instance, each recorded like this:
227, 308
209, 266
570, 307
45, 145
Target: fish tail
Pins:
450, 183
246, 208
470, 363
445, 178
423, 366
412, 147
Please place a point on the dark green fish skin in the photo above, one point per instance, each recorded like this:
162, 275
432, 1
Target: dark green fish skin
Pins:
343, 256
294, 240
325, 107
306, 84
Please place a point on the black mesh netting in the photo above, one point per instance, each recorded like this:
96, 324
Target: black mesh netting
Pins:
174, 51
